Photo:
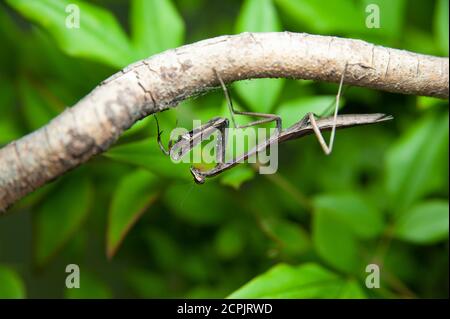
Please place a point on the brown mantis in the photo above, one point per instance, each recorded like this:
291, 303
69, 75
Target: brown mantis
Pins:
307, 125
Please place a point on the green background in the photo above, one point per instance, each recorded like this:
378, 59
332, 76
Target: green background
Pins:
137, 225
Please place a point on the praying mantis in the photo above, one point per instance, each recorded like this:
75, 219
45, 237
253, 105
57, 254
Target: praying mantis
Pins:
307, 125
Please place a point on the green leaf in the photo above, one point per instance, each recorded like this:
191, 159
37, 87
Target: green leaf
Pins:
43, 53
305, 281
353, 211
291, 238
294, 110
9, 33
197, 267
146, 154
401, 260
260, 94
36, 196
441, 25
416, 164
352, 290
335, 243
419, 40
427, 102
8, 125
35, 108
139, 127
163, 249
11, 285
207, 291
198, 204
90, 288
134, 194
60, 215
357, 152
259, 16
99, 36
335, 16
156, 26
424, 223
229, 241
237, 176
147, 284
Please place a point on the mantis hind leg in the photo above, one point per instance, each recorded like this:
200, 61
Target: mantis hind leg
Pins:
267, 117
328, 148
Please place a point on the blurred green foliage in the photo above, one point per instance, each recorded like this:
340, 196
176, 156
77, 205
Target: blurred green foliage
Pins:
139, 227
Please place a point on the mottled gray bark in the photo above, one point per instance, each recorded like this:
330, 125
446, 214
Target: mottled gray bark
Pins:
161, 81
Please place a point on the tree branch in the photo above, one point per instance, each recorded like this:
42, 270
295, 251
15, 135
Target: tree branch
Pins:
161, 81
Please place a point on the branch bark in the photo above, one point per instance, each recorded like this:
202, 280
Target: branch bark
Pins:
161, 81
